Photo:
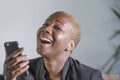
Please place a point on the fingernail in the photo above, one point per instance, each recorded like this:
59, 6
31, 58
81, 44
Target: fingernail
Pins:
27, 61
22, 48
26, 58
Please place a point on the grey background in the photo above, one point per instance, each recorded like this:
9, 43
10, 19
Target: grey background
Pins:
20, 19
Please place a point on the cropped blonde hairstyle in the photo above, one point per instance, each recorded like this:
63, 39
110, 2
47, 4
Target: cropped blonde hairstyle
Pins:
77, 30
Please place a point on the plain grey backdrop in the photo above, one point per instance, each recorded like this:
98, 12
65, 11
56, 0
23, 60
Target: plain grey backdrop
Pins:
20, 19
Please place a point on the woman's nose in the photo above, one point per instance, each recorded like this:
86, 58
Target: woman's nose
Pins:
48, 29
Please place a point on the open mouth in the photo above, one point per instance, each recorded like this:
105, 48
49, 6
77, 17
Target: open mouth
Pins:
45, 40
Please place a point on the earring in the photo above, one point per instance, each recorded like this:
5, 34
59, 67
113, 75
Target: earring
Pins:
66, 49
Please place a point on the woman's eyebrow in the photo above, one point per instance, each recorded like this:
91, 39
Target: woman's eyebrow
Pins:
49, 19
60, 22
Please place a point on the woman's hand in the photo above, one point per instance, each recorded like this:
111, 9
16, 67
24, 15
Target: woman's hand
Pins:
15, 65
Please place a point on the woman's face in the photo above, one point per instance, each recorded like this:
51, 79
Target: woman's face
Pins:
54, 36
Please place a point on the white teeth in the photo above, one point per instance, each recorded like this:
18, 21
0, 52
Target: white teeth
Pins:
45, 39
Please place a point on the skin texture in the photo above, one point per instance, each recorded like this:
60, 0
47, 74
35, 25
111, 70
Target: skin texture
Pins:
56, 39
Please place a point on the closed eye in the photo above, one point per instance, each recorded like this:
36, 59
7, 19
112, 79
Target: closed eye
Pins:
57, 28
44, 25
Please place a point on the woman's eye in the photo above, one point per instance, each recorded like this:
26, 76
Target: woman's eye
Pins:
57, 28
44, 25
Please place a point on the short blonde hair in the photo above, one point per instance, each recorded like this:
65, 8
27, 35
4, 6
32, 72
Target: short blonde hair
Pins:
76, 27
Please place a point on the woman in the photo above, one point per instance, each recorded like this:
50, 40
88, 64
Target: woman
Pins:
56, 39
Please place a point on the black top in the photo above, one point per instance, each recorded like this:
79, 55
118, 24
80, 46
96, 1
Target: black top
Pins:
72, 70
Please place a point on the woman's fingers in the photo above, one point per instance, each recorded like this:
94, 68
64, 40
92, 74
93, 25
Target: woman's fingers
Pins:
21, 71
15, 64
17, 60
20, 68
14, 54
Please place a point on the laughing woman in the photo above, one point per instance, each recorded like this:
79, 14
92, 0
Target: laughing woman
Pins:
56, 39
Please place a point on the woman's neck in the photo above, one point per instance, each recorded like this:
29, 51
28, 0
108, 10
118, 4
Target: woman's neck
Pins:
54, 67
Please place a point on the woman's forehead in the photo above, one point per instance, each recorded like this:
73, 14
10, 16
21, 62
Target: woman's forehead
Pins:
60, 17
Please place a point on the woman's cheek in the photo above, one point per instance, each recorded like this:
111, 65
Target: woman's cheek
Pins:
62, 37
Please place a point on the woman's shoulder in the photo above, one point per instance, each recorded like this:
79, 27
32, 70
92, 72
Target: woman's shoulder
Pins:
78, 64
85, 70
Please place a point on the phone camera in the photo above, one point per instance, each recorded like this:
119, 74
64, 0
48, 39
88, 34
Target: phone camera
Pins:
7, 44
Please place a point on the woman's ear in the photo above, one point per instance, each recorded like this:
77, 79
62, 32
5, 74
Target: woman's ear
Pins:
71, 46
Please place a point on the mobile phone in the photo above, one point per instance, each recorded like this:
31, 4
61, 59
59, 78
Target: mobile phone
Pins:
10, 47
